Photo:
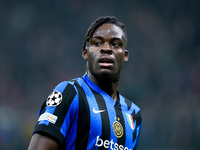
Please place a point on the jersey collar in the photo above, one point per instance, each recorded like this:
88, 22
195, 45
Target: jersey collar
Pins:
99, 90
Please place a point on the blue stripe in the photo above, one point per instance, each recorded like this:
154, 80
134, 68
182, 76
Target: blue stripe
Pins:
112, 114
71, 117
60, 87
99, 90
109, 104
93, 123
129, 131
135, 107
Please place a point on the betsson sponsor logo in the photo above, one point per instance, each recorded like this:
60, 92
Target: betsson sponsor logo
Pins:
110, 144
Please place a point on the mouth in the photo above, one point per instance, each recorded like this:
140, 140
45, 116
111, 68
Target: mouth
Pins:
106, 62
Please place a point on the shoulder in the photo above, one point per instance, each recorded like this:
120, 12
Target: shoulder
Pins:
136, 112
66, 85
130, 105
65, 90
69, 88
132, 109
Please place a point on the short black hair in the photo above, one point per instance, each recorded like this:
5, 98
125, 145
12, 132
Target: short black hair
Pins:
100, 21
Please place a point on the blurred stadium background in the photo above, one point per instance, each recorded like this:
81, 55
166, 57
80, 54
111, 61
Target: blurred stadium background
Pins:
40, 45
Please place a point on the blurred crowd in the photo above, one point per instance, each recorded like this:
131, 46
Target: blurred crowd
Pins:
41, 44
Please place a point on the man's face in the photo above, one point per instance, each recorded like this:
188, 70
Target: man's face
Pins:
106, 52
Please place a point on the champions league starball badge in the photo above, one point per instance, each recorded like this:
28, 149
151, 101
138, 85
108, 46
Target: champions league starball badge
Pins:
54, 99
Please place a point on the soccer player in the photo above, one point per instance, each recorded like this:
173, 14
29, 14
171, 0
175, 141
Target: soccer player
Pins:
88, 112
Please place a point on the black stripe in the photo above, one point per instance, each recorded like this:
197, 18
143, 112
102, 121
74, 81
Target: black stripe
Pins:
83, 126
138, 119
43, 108
62, 109
104, 117
128, 103
118, 110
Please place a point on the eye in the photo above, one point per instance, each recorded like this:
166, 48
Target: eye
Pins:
96, 43
116, 44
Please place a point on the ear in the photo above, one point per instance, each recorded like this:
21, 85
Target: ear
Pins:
84, 53
126, 56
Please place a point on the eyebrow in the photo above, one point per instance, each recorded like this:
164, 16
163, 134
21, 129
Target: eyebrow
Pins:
97, 37
101, 38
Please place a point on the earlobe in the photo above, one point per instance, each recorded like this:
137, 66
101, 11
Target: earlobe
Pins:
126, 56
84, 54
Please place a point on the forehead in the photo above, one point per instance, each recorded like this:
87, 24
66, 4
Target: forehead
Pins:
109, 31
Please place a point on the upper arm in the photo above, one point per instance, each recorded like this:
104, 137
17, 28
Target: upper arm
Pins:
51, 128
42, 142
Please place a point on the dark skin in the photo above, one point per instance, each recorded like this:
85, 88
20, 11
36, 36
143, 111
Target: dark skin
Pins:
42, 142
105, 57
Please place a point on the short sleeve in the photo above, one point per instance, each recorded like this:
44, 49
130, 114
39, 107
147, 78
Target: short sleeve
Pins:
57, 112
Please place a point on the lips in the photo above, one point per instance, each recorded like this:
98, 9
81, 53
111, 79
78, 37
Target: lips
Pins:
106, 61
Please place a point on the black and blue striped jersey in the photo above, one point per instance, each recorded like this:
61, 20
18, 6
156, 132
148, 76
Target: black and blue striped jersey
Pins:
79, 115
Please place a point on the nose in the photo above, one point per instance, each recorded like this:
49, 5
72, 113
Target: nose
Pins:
106, 49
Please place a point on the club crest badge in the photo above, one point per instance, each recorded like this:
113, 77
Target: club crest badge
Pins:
118, 129
54, 99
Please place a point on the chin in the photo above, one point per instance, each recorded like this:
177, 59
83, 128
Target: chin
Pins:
106, 76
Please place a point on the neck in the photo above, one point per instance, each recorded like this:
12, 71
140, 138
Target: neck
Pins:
106, 83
